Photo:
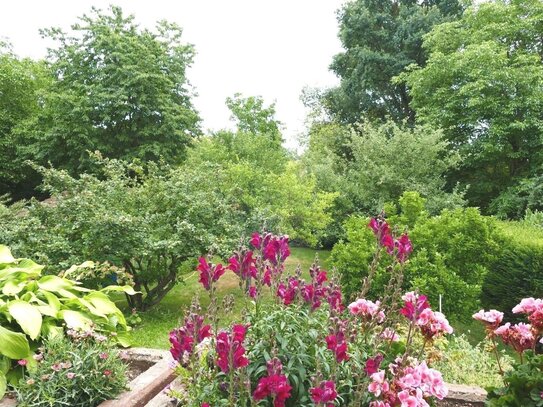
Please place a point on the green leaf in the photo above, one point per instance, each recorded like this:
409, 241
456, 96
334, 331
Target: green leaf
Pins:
3, 385
124, 339
27, 316
75, 319
102, 303
12, 288
14, 344
5, 255
55, 284
5, 364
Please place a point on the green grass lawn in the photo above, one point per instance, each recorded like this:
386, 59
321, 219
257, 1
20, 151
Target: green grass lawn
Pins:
161, 319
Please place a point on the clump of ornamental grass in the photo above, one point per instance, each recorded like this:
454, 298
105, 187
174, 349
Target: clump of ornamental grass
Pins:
80, 369
308, 348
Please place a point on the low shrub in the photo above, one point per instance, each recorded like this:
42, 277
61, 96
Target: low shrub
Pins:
452, 254
79, 371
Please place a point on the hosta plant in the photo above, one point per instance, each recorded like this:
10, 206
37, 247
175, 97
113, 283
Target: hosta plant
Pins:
524, 383
307, 348
35, 306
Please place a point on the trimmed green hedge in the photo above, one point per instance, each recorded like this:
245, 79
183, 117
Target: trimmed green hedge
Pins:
517, 272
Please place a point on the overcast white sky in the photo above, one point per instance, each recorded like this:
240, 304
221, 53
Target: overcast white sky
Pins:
271, 48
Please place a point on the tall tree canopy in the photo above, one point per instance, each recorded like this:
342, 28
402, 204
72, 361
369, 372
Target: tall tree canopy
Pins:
21, 81
119, 89
483, 85
381, 38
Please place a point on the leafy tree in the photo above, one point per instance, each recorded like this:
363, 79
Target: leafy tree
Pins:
370, 165
251, 116
119, 89
21, 81
272, 190
483, 84
381, 38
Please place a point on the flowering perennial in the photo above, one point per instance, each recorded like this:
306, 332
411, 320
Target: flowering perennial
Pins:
324, 394
209, 273
230, 350
363, 335
274, 385
184, 339
368, 310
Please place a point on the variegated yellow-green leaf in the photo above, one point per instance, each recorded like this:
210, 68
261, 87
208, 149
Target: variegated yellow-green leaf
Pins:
14, 344
3, 385
27, 316
125, 288
5, 255
75, 319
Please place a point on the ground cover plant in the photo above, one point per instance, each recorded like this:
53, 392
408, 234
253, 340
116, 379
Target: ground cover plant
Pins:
349, 356
80, 369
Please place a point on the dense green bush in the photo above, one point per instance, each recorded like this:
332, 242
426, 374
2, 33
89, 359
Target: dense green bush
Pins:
517, 271
147, 220
78, 372
452, 254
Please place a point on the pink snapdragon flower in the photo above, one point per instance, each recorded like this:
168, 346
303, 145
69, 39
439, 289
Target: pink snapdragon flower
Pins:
275, 248
209, 273
367, 309
335, 298
403, 248
184, 339
373, 364
420, 379
287, 292
412, 398
390, 335
378, 384
528, 306
324, 394
230, 349
414, 304
338, 344
243, 265
275, 384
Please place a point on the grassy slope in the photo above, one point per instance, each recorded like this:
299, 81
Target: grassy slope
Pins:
157, 323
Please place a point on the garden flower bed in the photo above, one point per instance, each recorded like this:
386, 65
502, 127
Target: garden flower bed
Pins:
149, 372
